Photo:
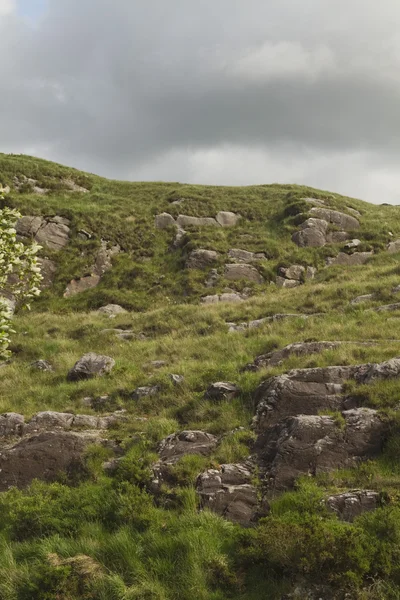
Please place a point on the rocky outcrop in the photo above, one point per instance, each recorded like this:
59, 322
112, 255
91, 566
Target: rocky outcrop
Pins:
348, 260
276, 357
222, 390
222, 219
312, 233
164, 221
242, 271
145, 391
394, 247
243, 256
232, 298
312, 444
336, 218
42, 365
112, 310
227, 219
349, 505
91, 365
48, 269
50, 232
229, 492
77, 286
185, 221
102, 264
202, 259
240, 327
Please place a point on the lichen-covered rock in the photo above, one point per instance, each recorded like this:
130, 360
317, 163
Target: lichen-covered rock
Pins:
53, 232
227, 219
186, 221
337, 237
394, 247
358, 258
228, 491
202, 259
91, 365
176, 445
309, 237
77, 286
42, 365
103, 259
312, 444
243, 271
227, 298
352, 504
336, 218
287, 283
276, 357
11, 425
111, 310
296, 272
164, 221
48, 269
222, 390
243, 256
145, 391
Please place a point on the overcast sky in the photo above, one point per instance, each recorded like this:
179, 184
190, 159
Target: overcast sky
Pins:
208, 91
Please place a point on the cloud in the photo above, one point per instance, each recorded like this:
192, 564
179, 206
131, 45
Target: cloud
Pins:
6, 7
213, 92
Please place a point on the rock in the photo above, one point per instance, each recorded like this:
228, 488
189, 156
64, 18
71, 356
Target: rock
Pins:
185, 221
313, 223
396, 289
44, 457
287, 283
4, 189
29, 226
227, 219
243, 271
176, 445
177, 379
91, 365
202, 259
164, 221
145, 391
53, 235
48, 270
243, 256
104, 256
364, 298
388, 307
11, 425
314, 201
336, 218
179, 238
309, 238
112, 310
353, 211
77, 286
231, 298
394, 247
84, 235
358, 258
276, 357
222, 390
389, 369
214, 299
42, 365
212, 279
296, 272
157, 364
7, 299
234, 327
353, 244
311, 272
49, 421
228, 491
337, 237
350, 505
313, 444
74, 187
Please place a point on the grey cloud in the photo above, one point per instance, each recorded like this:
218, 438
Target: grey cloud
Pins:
155, 88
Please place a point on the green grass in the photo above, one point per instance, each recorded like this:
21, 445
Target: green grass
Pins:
139, 548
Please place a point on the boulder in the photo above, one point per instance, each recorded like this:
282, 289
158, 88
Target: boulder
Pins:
104, 256
214, 299
212, 279
243, 256
77, 286
222, 390
176, 445
228, 491
112, 310
349, 505
287, 283
353, 244
44, 456
243, 271
296, 272
202, 259
91, 365
11, 425
49, 421
145, 391
179, 238
309, 238
42, 365
313, 223
186, 221
394, 247
164, 221
53, 235
336, 218
227, 219
358, 258
337, 237
313, 444
29, 226
276, 357
231, 297
48, 270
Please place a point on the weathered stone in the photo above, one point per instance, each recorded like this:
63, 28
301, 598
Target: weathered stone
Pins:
287, 283
388, 307
179, 238
111, 310
276, 357
309, 238
186, 221
164, 221
313, 223
337, 237
49, 421
42, 365
389, 369
73, 186
29, 226
296, 272
77, 286
227, 219
315, 201
158, 364
212, 279
231, 298
243, 256
91, 365
103, 260
145, 391
313, 444
177, 379
394, 247
53, 235
353, 211
311, 272
222, 390
358, 258
214, 299
44, 457
176, 445
335, 217
4, 189
353, 244
352, 504
364, 298
48, 270
202, 259
243, 271
11, 425
228, 491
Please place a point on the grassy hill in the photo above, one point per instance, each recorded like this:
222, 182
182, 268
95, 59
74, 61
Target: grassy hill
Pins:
105, 535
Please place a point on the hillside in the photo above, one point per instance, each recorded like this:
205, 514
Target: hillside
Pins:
232, 431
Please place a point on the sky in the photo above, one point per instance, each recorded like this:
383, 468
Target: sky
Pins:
230, 92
